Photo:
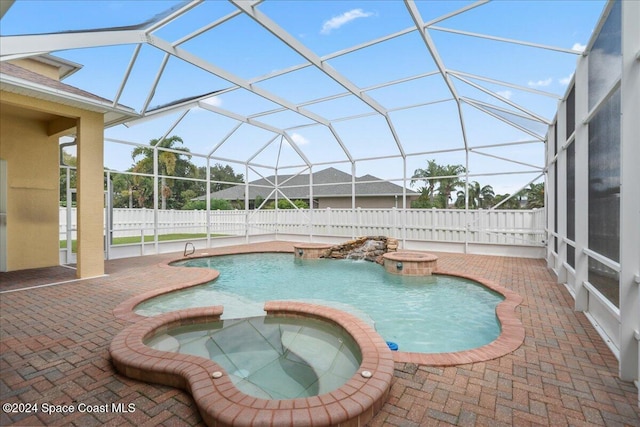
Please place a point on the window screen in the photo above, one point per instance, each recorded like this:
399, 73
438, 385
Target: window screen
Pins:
571, 112
571, 203
605, 57
604, 195
555, 189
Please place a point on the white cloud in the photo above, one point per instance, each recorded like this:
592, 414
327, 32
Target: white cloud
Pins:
299, 139
566, 80
215, 101
579, 47
505, 93
340, 20
540, 83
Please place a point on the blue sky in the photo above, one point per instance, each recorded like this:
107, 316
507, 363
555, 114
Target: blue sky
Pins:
244, 48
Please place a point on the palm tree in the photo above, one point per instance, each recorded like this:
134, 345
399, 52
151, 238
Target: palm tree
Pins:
484, 195
428, 175
123, 190
479, 196
445, 177
460, 196
168, 161
535, 196
449, 181
512, 203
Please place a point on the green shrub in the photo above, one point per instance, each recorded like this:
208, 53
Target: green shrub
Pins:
216, 205
284, 204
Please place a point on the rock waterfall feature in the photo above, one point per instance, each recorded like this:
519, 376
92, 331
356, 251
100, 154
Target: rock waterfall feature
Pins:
369, 248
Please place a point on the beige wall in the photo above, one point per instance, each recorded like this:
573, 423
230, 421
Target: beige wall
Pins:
50, 71
90, 195
32, 192
382, 202
29, 132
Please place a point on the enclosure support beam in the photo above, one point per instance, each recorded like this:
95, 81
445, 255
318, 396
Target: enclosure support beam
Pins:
311, 207
549, 195
629, 367
582, 181
208, 201
353, 199
404, 202
466, 202
155, 200
246, 202
561, 197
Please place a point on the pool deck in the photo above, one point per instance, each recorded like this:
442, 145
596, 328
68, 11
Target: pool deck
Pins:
54, 350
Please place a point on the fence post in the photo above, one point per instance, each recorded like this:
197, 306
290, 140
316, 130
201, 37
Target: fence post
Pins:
394, 221
433, 223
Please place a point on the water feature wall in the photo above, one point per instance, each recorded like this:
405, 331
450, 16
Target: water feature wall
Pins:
370, 248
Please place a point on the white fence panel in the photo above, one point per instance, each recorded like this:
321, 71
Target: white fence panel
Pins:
262, 222
227, 222
504, 227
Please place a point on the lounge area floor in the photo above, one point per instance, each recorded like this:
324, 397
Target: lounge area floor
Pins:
54, 350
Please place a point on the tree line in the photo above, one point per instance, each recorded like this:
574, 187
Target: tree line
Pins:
135, 190
438, 184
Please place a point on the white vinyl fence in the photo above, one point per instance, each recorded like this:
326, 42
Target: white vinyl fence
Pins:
518, 227
501, 227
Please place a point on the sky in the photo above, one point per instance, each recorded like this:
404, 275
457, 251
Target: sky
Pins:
425, 120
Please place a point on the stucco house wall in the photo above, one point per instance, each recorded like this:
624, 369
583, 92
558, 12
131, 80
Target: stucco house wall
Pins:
35, 112
32, 192
373, 202
38, 67
29, 145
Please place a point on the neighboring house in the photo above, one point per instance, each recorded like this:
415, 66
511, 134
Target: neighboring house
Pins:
36, 109
331, 189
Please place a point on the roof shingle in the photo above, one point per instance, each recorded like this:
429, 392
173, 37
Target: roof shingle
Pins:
328, 182
30, 76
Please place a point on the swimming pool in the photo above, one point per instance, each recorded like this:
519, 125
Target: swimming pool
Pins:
421, 314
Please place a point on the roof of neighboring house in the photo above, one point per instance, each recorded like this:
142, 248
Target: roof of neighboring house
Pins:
328, 182
22, 81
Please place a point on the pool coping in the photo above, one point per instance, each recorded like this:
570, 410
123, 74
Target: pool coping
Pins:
511, 331
218, 400
511, 336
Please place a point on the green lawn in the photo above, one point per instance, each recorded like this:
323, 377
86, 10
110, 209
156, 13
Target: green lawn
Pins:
148, 238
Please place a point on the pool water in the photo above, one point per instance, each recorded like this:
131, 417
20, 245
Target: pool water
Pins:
271, 357
431, 314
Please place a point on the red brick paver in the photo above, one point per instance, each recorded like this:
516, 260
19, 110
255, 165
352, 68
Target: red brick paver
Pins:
54, 350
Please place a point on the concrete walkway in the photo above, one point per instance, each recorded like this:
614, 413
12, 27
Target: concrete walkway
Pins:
54, 356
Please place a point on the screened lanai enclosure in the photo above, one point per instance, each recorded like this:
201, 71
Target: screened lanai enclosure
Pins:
494, 127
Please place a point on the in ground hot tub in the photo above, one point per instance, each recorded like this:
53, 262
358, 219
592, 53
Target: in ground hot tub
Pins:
270, 357
302, 364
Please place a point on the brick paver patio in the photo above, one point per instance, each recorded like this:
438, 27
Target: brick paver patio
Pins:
54, 351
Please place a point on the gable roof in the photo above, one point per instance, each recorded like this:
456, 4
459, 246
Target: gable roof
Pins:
329, 182
65, 67
19, 80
